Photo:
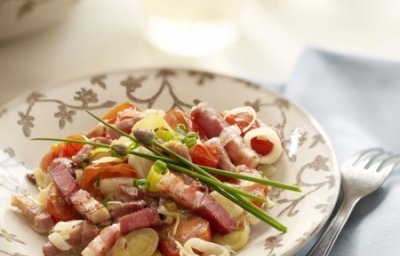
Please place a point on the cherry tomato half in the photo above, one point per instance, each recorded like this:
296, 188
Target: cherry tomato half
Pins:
202, 154
95, 172
58, 208
66, 149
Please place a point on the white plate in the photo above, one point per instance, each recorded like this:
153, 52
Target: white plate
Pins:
309, 160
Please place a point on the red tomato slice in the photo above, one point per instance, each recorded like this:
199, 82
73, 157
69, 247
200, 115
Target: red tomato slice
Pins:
189, 227
95, 172
175, 117
202, 154
58, 209
242, 120
66, 149
112, 115
262, 147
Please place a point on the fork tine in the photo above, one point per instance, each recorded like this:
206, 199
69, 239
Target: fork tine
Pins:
357, 156
377, 160
367, 157
388, 165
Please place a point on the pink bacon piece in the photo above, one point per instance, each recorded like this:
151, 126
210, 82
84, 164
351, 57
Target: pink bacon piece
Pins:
212, 123
60, 171
86, 205
123, 208
129, 193
102, 243
202, 204
238, 151
50, 249
39, 220
224, 162
209, 120
179, 148
124, 125
145, 218
219, 219
182, 190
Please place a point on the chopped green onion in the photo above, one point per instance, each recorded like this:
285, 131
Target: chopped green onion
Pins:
190, 142
180, 128
192, 135
157, 171
164, 134
141, 184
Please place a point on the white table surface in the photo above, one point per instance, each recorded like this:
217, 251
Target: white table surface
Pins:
103, 35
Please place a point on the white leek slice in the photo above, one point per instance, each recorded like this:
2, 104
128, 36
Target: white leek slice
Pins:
141, 165
110, 186
242, 110
152, 122
122, 141
42, 197
171, 216
266, 169
59, 242
42, 179
229, 133
237, 239
64, 228
142, 242
208, 248
98, 153
266, 133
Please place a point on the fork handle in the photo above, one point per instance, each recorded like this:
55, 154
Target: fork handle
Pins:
325, 243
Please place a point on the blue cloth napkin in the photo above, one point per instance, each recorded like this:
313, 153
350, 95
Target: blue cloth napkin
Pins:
357, 102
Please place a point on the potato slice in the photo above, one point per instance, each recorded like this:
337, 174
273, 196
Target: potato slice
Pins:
152, 122
236, 239
142, 242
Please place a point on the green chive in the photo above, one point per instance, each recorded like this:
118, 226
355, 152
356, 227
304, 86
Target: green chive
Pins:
141, 184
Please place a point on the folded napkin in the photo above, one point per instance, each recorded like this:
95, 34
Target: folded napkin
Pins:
357, 102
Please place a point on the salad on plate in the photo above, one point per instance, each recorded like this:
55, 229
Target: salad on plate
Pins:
156, 183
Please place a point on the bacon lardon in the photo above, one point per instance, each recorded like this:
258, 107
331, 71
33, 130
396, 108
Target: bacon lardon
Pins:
181, 190
224, 162
209, 120
124, 125
86, 205
100, 245
219, 219
145, 218
212, 123
60, 171
50, 249
179, 148
200, 202
39, 220
119, 209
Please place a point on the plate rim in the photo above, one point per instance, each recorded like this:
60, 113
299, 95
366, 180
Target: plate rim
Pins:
57, 83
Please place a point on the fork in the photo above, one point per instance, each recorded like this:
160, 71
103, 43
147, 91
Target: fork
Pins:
361, 175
